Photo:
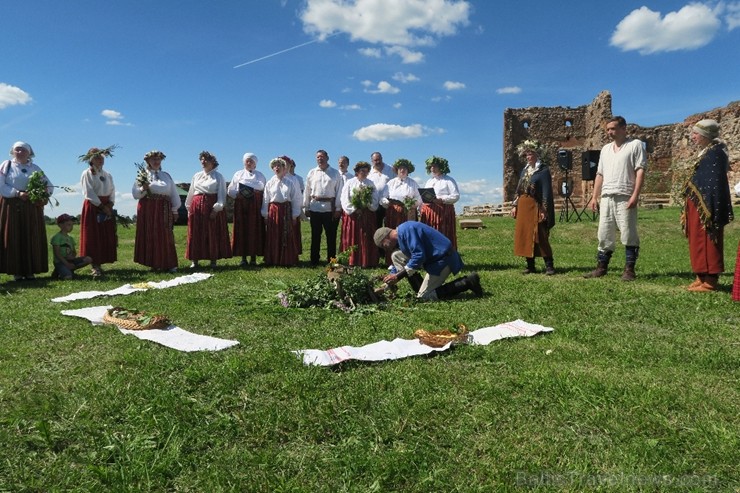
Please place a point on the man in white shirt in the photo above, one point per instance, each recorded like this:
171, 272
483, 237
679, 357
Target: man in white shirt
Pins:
380, 174
619, 179
321, 204
343, 164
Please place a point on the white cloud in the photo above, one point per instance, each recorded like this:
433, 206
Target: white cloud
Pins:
397, 105
114, 118
371, 52
439, 99
405, 78
509, 90
383, 87
453, 86
692, 27
387, 131
351, 107
11, 95
733, 16
386, 22
479, 192
407, 56
327, 103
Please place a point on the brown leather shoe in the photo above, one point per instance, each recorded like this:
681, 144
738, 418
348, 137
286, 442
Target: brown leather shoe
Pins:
704, 287
697, 282
599, 271
629, 272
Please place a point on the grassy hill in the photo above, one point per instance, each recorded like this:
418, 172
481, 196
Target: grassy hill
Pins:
635, 390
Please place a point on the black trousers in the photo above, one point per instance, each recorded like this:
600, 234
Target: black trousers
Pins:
323, 221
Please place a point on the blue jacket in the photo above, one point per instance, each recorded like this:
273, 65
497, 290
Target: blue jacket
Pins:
428, 248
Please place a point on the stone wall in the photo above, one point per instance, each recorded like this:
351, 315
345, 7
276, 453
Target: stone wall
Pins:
583, 128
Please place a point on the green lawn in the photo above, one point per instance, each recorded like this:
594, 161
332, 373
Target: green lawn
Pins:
636, 390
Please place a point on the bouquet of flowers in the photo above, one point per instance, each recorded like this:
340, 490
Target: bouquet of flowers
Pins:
409, 203
362, 197
37, 189
142, 175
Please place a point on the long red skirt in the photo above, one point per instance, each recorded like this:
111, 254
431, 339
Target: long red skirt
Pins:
358, 230
248, 238
98, 240
280, 245
395, 215
736, 283
442, 218
24, 250
155, 240
208, 239
706, 256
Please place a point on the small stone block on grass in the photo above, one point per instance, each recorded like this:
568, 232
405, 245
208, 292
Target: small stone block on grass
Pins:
471, 224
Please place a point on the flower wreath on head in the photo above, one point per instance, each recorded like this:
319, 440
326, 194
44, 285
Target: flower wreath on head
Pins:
404, 163
154, 153
95, 152
279, 161
534, 146
440, 162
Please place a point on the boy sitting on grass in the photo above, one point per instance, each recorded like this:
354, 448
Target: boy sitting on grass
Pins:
65, 254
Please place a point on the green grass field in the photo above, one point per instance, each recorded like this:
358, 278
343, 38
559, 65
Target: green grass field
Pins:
637, 389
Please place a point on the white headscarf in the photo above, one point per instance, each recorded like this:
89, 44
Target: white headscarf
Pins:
25, 146
249, 155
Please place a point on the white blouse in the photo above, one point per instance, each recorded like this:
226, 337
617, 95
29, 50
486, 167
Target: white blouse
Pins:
445, 188
398, 189
14, 178
97, 185
254, 179
280, 191
348, 190
160, 183
206, 184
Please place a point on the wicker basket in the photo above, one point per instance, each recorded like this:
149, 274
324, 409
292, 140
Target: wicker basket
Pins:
130, 322
439, 338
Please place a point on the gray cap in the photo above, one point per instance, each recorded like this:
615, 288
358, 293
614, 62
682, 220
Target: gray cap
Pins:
380, 235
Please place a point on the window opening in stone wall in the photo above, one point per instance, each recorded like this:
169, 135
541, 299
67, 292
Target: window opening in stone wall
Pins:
525, 124
568, 123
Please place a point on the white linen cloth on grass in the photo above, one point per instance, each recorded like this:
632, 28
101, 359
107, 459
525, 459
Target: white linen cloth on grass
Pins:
403, 348
173, 337
134, 288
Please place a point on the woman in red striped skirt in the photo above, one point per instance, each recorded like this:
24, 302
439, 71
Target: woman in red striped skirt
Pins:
281, 207
360, 200
440, 212
98, 238
23, 247
247, 189
401, 198
208, 234
159, 201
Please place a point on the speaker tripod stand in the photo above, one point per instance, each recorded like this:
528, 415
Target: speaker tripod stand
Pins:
569, 209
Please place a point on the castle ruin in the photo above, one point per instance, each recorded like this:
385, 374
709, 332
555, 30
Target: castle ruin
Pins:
583, 129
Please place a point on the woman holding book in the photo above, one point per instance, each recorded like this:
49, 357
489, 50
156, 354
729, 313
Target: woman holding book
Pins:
534, 208
247, 189
208, 233
400, 197
156, 211
438, 210
23, 246
98, 239
360, 200
281, 208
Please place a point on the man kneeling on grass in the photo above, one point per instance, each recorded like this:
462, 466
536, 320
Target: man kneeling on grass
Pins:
415, 246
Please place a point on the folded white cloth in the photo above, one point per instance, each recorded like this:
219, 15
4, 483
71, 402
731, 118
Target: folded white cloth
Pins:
135, 288
173, 337
403, 348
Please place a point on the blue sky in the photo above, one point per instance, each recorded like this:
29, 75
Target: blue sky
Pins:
408, 78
